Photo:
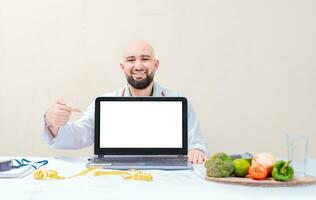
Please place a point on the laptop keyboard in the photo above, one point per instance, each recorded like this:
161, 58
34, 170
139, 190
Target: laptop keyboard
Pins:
173, 161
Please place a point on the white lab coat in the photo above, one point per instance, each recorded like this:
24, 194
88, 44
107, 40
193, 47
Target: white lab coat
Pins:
80, 133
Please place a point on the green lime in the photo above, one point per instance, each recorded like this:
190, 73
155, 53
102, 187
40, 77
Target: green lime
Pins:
241, 167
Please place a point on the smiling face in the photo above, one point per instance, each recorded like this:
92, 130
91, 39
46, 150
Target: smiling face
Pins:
139, 65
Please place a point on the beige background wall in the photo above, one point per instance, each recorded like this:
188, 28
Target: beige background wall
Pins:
249, 67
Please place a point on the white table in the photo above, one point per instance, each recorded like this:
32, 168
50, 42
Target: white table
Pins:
166, 185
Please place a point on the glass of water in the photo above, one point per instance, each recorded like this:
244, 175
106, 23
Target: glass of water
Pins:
297, 145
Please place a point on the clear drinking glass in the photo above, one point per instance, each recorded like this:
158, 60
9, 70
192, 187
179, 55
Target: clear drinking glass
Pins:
297, 145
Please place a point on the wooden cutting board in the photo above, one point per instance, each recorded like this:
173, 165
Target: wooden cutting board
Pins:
269, 182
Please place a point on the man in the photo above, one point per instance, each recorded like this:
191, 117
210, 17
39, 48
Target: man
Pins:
139, 66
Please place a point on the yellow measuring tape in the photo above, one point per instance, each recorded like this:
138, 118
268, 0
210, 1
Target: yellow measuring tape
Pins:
43, 174
138, 175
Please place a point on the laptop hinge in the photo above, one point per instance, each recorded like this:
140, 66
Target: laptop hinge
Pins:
101, 156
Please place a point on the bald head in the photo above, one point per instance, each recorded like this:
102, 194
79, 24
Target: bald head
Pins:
138, 48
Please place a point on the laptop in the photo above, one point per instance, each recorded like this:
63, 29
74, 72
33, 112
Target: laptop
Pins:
141, 133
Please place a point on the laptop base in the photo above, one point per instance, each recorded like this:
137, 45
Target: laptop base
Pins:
148, 162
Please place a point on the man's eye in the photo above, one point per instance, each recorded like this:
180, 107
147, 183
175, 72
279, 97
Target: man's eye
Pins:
131, 60
145, 59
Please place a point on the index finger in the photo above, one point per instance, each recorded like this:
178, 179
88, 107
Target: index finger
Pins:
200, 159
65, 108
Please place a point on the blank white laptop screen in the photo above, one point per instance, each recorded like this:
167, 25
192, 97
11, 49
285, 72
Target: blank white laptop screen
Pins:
139, 124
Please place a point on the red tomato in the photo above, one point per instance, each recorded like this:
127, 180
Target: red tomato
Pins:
257, 172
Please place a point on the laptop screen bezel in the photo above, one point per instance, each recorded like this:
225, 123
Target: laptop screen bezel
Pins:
141, 151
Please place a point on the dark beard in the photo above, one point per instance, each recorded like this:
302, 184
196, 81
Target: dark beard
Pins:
140, 84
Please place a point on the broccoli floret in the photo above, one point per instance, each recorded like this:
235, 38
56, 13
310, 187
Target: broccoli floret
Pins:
222, 156
219, 165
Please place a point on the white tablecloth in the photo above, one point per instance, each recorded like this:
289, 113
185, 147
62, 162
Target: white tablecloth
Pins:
166, 185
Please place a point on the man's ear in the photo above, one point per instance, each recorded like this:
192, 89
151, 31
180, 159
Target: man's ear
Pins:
121, 66
156, 64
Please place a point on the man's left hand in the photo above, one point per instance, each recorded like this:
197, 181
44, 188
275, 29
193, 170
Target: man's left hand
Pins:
196, 156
